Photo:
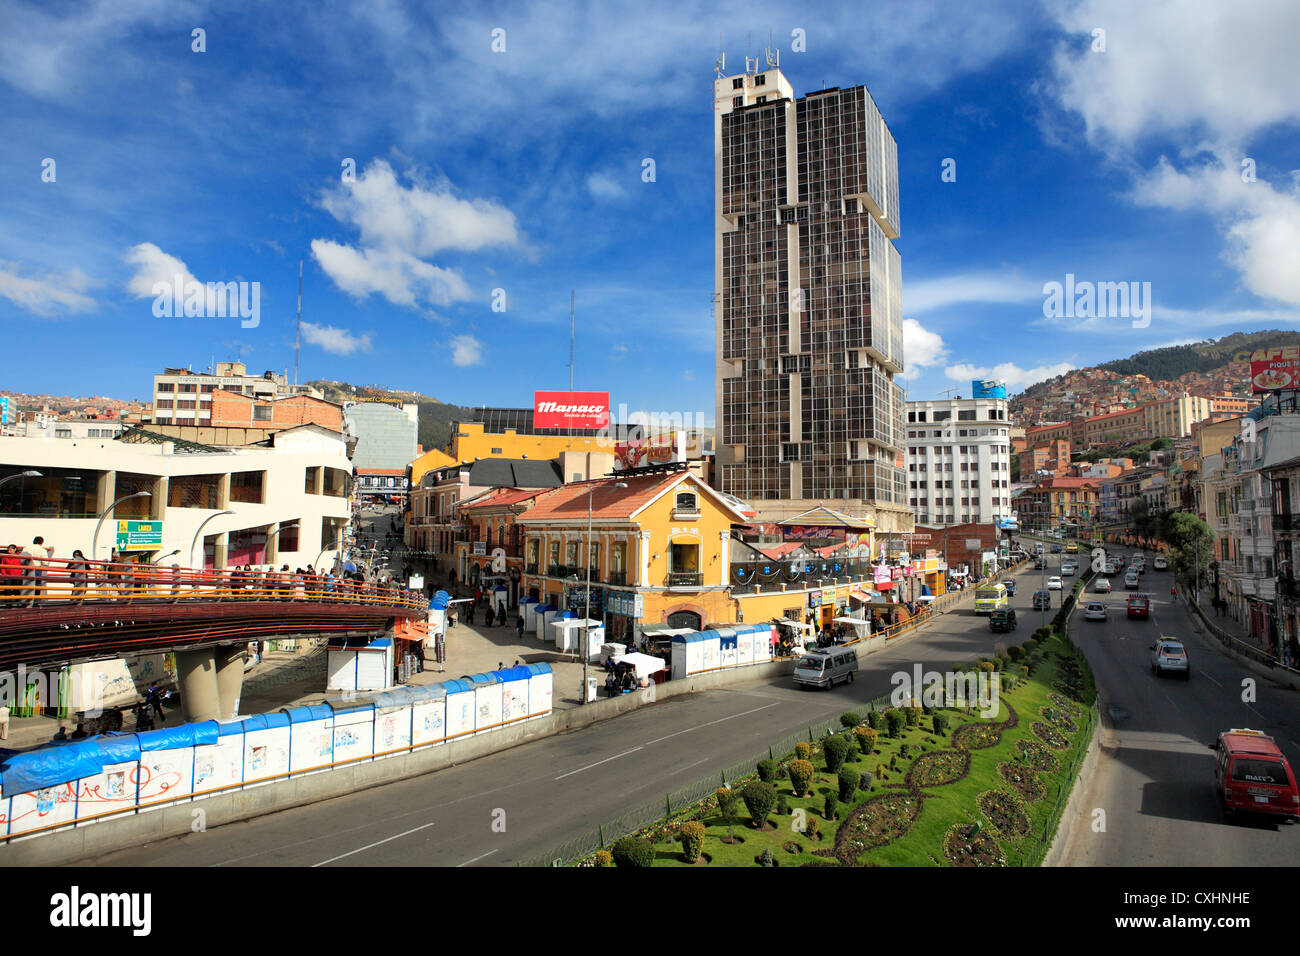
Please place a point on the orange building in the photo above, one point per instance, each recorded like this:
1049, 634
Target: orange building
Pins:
233, 410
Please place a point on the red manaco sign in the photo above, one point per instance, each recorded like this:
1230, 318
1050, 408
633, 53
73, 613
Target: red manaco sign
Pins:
570, 409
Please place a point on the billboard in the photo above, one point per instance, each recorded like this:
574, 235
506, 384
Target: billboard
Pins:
1271, 369
139, 535
570, 409
988, 388
4, 409
638, 453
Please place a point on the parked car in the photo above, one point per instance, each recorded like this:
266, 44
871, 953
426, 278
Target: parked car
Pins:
1251, 775
1010, 585
1096, 611
1168, 655
1053, 584
1102, 586
1042, 600
1003, 619
1139, 606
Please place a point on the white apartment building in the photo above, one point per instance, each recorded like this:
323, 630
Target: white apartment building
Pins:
958, 460
183, 397
204, 506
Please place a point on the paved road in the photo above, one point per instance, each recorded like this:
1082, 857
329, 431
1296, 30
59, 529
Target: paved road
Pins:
1155, 775
554, 789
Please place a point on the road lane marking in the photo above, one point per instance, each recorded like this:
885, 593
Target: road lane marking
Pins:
1211, 679
476, 859
709, 724
369, 846
597, 763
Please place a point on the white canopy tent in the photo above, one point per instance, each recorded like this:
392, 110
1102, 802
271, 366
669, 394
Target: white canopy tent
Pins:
569, 630
645, 664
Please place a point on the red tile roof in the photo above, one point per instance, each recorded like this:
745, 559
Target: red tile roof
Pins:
570, 501
502, 497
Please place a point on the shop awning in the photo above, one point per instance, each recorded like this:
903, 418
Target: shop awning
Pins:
858, 594
885, 585
850, 620
797, 624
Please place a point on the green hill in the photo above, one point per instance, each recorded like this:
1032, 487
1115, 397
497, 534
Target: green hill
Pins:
435, 416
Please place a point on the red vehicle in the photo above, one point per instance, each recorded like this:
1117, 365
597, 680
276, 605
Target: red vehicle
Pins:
1139, 605
1252, 776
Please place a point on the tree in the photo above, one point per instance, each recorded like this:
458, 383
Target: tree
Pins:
1190, 542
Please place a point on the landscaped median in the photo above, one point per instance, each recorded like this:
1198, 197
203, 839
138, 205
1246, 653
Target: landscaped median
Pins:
928, 783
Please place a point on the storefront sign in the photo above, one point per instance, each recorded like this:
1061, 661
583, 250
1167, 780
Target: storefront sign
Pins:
1272, 369
570, 409
139, 535
480, 547
626, 603
575, 596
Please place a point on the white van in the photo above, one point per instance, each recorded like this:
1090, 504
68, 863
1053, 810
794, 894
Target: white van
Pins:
826, 667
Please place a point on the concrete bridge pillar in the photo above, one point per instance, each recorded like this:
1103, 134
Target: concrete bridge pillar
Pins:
229, 659
211, 680
196, 676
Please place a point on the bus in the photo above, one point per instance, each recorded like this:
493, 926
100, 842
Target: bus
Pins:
990, 597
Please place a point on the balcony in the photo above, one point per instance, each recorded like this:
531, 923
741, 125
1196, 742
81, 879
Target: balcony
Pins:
530, 568
616, 577
685, 580
561, 571
1286, 521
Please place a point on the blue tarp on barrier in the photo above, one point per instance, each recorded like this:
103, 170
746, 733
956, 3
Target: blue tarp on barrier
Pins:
515, 673
535, 669
186, 735
492, 677
298, 715
342, 705
456, 686
50, 766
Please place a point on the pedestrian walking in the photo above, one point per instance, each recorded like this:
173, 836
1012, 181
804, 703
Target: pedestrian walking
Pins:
487, 616
77, 566
35, 558
519, 625
154, 701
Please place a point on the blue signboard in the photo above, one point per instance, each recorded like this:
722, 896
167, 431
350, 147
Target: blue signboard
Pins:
989, 388
4, 409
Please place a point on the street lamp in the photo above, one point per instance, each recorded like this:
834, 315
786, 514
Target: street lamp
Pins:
198, 531
165, 556
104, 513
586, 617
22, 474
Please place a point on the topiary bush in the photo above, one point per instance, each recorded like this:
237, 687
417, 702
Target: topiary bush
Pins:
836, 750
866, 740
802, 750
905, 750
988, 667
893, 762
867, 781
880, 771
782, 805
633, 851
874, 720
830, 810
849, 719
603, 858
895, 718
848, 781
767, 771
940, 724
691, 836
912, 715
759, 799
1015, 652
765, 858
801, 774
850, 745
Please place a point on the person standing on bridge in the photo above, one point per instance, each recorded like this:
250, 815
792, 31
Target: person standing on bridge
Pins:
11, 572
77, 572
35, 559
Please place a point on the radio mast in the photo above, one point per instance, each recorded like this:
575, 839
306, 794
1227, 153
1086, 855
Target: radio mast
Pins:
570, 340
297, 344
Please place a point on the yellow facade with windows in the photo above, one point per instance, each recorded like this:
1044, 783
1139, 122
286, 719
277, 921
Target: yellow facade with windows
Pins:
469, 442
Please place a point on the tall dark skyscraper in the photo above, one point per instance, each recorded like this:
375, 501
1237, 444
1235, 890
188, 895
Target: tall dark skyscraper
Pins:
808, 306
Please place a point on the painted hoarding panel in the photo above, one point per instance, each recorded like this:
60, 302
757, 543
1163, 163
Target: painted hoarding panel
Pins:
219, 766
311, 747
267, 752
166, 776
460, 713
393, 731
429, 722
43, 809
111, 791
354, 735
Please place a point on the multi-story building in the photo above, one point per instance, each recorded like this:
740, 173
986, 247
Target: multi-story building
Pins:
1173, 417
807, 300
959, 461
182, 397
385, 444
286, 503
1052, 455
1284, 481
1054, 502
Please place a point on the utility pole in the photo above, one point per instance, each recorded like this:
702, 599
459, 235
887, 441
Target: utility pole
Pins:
297, 344
571, 339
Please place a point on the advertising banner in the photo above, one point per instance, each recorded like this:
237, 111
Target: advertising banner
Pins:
139, 535
989, 388
570, 409
638, 453
1272, 369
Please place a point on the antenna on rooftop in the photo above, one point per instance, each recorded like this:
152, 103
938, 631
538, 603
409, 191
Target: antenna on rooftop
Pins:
297, 345
720, 64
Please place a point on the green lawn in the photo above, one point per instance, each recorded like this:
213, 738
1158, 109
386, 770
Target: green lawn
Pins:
941, 805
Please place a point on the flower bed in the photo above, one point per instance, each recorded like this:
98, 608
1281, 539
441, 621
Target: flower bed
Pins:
875, 823
976, 736
1050, 735
967, 845
1059, 719
1005, 812
1036, 756
1022, 780
938, 768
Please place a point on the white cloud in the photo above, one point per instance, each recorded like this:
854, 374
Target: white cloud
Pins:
335, 341
1202, 81
604, 186
921, 348
415, 219
466, 350
930, 294
152, 265
400, 227
47, 294
1017, 378
398, 276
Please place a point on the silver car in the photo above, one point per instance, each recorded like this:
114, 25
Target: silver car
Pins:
1096, 611
1169, 656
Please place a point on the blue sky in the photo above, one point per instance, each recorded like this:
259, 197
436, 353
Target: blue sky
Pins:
521, 171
